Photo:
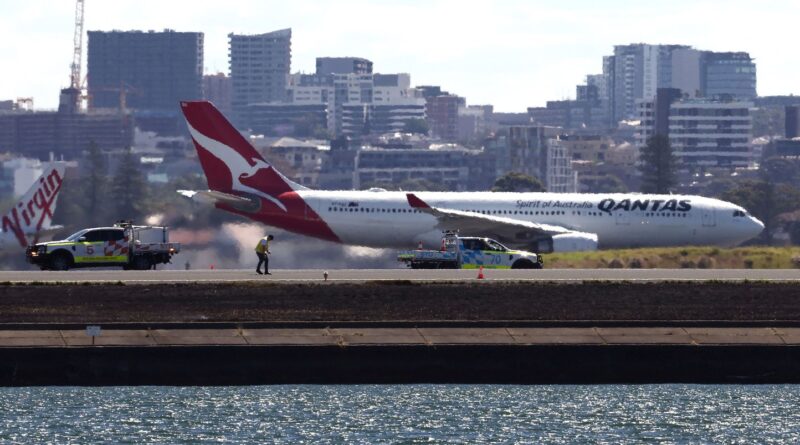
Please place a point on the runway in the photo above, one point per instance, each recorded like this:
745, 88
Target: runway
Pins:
368, 275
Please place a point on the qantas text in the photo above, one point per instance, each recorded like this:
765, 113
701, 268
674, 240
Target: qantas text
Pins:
652, 205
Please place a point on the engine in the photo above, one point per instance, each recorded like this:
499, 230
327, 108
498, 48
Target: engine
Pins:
567, 242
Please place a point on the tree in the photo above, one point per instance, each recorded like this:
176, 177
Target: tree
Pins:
765, 201
657, 165
129, 188
96, 186
517, 182
417, 126
779, 170
610, 184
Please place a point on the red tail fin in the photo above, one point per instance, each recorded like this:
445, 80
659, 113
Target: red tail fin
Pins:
224, 153
34, 211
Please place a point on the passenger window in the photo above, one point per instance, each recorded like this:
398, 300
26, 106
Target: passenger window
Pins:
482, 245
93, 236
496, 246
116, 235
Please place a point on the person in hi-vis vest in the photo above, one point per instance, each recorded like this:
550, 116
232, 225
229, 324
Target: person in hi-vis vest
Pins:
262, 251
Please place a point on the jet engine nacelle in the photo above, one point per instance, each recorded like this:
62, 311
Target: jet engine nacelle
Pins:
568, 242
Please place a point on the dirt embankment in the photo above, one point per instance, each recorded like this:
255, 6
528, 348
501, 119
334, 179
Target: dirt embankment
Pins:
399, 301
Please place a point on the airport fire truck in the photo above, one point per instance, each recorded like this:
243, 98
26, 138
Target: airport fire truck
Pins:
122, 245
466, 252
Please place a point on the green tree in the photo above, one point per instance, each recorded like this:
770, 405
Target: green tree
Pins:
779, 170
765, 201
657, 165
517, 182
417, 126
96, 186
610, 184
129, 188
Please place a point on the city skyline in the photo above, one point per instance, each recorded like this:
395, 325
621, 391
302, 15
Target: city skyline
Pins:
512, 55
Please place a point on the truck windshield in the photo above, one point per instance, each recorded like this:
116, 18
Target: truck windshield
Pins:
494, 245
76, 235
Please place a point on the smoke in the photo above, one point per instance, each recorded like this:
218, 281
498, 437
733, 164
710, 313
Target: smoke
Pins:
232, 246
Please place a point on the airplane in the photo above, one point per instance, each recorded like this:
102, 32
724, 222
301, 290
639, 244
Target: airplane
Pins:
240, 181
32, 216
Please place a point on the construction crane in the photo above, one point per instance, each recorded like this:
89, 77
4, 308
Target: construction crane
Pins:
77, 45
71, 97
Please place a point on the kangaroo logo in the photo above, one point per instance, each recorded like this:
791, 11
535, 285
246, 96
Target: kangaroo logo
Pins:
239, 166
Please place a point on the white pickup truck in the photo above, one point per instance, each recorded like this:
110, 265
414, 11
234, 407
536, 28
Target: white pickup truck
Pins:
464, 252
122, 245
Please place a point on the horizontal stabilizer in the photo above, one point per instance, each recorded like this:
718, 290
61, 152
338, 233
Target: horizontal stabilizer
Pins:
215, 197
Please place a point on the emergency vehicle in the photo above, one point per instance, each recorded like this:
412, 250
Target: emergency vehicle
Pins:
467, 252
122, 245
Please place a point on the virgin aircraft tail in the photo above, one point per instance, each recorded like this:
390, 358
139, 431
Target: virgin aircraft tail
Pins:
33, 213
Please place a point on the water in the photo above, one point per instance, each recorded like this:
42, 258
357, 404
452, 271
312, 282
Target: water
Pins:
407, 414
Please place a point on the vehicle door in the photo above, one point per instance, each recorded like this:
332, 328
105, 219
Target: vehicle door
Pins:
495, 255
471, 253
115, 249
89, 247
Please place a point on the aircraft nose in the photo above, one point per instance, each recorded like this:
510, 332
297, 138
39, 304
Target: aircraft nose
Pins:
756, 225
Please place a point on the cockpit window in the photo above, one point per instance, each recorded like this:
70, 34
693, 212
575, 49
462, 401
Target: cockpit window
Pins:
738, 214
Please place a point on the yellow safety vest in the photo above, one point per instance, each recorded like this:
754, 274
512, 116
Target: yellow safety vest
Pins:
262, 246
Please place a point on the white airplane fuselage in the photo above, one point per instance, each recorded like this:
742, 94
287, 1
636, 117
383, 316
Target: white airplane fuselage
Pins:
242, 182
385, 219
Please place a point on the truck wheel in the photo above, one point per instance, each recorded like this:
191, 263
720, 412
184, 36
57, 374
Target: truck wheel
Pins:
523, 264
60, 261
141, 263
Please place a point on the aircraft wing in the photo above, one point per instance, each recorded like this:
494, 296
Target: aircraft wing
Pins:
215, 197
505, 229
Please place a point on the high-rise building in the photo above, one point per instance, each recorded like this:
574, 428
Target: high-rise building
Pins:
65, 135
218, 89
144, 70
359, 104
259, 67
711, 133
560, 177
442, 115
635, 72
343, 65
728, 74
639, 70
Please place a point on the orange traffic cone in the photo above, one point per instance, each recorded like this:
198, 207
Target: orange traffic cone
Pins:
480, 273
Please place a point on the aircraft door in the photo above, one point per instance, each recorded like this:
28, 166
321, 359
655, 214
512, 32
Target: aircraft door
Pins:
709, 218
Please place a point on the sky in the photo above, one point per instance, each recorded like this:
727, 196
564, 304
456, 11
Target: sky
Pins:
510, 53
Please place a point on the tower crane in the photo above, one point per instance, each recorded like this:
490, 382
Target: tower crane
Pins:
71, 97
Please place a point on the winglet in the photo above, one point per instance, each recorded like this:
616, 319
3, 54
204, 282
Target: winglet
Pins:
415, 202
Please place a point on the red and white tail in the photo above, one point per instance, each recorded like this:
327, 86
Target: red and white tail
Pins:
229, 161
33, 213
